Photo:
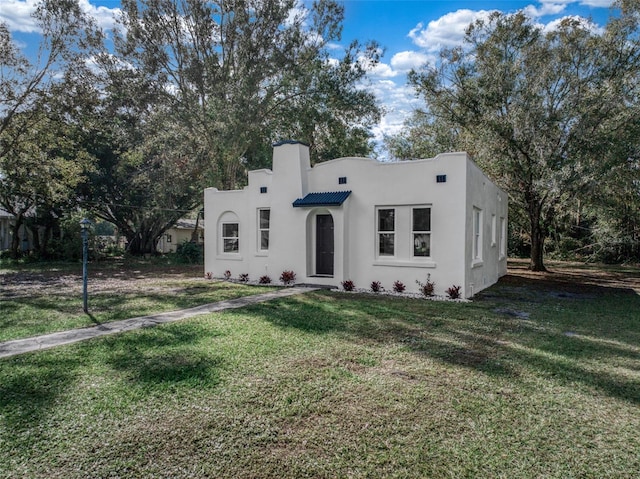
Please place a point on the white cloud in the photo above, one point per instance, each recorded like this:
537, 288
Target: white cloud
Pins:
382, 70
410, 60
555, 7
399, 101
446, 31
18, 15
547, 8
597, 3
584, 22
105, 17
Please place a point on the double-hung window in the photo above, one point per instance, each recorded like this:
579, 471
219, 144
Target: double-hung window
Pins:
386, 231
264, 217
230, 237
477, 234
421, 228
494, 233
503, 237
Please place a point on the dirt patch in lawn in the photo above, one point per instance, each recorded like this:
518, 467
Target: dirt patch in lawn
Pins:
111, 277
573, 280
563, 280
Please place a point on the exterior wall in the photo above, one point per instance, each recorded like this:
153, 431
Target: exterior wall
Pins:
399, 186
492, 203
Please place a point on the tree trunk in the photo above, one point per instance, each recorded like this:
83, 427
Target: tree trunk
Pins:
44, 241
194, 233
537, 235
35, 238
15, 236
142, 243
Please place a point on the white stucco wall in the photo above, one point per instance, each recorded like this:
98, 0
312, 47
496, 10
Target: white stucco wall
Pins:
492, 202
399, 186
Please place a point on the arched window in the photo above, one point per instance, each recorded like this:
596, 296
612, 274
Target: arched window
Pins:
229, 233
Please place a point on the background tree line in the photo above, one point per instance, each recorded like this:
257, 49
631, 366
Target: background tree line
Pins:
189, 94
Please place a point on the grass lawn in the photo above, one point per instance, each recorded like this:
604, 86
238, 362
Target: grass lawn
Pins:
539, 376
35, 301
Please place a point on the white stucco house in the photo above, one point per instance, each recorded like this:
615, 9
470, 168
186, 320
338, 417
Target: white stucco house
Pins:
362, 220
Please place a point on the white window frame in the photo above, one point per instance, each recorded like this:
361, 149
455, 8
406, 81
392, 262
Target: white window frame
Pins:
262, 229
391, 233
225, 238
415, 233
476, 219
503, 237
494, 231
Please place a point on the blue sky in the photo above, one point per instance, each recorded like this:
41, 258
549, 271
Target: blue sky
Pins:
410, 32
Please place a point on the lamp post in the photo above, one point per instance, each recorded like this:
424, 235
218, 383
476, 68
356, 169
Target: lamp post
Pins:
84, 228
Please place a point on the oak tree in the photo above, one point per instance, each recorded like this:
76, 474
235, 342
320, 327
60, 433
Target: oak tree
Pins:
545, 113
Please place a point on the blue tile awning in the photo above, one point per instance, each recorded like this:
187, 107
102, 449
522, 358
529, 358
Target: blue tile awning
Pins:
335, 198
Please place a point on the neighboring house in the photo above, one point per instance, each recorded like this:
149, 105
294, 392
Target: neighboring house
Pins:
6, 220
362, 220
179, 233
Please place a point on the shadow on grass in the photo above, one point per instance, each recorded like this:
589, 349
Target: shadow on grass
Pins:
30, 389
167, 355
35, 388
49, 314
603, 357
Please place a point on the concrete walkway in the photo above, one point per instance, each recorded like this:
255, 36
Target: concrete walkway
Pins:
20, 346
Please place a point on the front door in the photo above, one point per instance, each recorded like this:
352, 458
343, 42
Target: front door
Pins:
324, 245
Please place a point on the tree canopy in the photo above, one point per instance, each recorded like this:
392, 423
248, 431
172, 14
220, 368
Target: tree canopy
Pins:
546, 114
188, 97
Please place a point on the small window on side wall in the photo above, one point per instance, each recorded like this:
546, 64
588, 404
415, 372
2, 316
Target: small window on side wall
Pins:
386, 231
421, 232
503, 237
264, 219
494, 233
230, 237
477, 234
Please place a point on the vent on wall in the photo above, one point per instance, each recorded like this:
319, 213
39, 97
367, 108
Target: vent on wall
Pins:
342, 180
441, 178
263, 189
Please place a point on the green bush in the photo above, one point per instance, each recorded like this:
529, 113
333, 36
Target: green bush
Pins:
188, 252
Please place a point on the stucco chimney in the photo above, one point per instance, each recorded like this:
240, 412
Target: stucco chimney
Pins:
291, 165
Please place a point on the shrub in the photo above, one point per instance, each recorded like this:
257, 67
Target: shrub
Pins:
188, 252
376, 286
399, 287
427, 288
288, 277
348, 285
243, 278
264, 279
454, 291
227, 275
208, 275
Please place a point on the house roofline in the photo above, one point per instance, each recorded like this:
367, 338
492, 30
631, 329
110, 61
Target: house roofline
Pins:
289, 142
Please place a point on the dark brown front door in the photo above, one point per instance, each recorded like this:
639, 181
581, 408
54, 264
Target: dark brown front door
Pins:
324, 244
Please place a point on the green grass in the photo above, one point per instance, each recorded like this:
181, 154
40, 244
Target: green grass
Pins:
56, 307
334, 385
27, 317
